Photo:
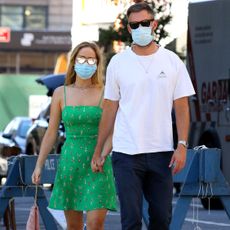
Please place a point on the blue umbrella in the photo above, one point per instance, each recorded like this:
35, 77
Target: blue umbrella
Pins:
51, 81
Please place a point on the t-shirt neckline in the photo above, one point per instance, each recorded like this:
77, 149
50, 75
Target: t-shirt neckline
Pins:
145, 56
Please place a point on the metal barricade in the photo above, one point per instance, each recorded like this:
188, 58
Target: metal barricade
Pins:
201, 173
19, 184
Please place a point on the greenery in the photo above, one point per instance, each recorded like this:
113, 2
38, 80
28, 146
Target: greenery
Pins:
118, 31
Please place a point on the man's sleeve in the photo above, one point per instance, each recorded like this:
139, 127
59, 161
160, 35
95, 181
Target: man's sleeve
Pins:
112, 90
184, 85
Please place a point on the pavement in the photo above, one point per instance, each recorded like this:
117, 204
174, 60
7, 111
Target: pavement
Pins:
197, 217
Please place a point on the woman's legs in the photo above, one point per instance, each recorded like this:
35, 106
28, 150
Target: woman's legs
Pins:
95, 219
74, 220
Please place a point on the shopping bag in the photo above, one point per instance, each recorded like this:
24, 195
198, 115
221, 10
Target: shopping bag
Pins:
33, 220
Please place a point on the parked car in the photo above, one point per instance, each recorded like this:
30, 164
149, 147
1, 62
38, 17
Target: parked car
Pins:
13, 140
37, 131
14, 133
3, 168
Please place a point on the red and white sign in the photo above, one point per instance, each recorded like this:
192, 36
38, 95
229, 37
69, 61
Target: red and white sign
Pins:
4, 35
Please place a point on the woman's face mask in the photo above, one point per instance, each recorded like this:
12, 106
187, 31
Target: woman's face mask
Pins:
86, 68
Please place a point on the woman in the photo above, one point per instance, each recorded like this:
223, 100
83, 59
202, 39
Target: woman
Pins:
79, 185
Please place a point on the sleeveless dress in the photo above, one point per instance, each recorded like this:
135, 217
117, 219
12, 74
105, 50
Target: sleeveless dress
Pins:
76, 187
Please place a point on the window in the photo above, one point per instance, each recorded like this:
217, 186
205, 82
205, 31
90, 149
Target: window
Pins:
23, 17
23, 128
35, 17
11, 16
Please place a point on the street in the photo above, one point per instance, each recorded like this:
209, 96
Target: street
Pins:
197, 217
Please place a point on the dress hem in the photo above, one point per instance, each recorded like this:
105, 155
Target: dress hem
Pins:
81, 209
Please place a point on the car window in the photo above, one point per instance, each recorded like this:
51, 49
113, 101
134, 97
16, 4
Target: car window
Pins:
11, 127
45, 111
23, 128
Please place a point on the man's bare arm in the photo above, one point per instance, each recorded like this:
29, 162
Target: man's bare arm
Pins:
105, 129
181, 108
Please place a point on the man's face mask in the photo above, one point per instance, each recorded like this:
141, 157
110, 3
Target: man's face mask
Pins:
141, 35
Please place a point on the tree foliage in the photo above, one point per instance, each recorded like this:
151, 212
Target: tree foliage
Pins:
118, 31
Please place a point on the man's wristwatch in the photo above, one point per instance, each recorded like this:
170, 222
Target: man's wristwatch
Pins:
184, 143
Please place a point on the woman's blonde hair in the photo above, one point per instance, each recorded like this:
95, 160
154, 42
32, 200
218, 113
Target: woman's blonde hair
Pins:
97, 78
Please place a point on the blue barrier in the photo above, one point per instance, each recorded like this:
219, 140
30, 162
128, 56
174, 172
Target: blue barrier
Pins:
202, 170
19, 184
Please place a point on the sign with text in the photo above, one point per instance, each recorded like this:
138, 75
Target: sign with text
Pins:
4, 35
28, 162
58, 41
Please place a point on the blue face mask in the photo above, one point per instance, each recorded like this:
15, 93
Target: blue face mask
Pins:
142, 36
85, 71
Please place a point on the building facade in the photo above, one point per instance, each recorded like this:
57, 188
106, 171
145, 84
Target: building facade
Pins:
33, 34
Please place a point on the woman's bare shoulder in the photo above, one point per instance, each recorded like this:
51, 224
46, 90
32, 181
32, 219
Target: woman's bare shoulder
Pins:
58, 92
59, 89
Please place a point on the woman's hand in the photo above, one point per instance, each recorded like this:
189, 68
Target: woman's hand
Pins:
36, 176
97, 163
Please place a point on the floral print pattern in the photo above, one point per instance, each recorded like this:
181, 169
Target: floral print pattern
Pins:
76, 187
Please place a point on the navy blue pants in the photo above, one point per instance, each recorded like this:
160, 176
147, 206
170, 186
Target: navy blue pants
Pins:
145, 175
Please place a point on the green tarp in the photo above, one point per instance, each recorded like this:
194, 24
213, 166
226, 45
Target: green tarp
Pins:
14, 96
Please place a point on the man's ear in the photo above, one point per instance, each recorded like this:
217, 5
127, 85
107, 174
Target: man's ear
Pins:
155, 23
129, 29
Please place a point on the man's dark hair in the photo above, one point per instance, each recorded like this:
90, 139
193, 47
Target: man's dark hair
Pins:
139, 7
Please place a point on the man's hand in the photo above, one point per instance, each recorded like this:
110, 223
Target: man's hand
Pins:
178, 159
97, 163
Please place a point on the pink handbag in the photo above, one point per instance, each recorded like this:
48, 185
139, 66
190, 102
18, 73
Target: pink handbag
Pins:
33, 220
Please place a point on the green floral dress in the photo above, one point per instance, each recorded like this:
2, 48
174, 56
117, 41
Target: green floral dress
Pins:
76, 187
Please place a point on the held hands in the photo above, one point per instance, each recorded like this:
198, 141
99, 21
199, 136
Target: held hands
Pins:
36, 176
178, 159
97, 163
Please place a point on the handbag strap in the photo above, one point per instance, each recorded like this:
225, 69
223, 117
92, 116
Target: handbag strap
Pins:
36, 194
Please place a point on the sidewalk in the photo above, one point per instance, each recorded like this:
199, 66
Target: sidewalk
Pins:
22, 209
197, 215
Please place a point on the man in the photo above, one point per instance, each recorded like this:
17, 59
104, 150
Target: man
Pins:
143, 84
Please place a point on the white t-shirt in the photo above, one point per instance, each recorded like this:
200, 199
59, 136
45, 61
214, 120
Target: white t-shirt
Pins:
145, 87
